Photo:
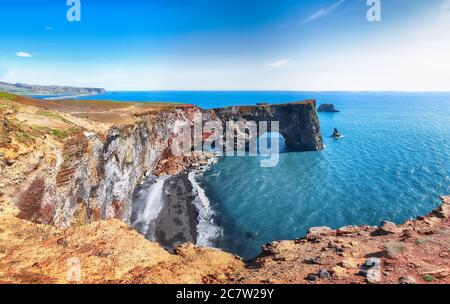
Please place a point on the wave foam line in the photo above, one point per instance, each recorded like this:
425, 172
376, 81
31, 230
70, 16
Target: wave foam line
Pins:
208, 232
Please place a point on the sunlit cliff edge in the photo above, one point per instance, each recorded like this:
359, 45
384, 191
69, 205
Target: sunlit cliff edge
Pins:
67, 173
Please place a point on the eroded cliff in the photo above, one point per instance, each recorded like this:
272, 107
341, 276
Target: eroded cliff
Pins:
298, 121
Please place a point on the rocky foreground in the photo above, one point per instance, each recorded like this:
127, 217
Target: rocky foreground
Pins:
67, 174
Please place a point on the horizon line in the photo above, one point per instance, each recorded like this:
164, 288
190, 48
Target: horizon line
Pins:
277, 90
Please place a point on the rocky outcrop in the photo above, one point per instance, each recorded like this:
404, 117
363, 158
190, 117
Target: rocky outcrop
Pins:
414, 252
111, 252
327, 107
298, 121
102, 252
31, 89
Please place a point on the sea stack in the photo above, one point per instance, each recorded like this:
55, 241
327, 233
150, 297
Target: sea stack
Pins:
336, 133
327, 107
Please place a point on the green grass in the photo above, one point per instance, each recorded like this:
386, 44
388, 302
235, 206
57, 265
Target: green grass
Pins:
4, 95
60, 134
52, 115
423, 240
396, 247
427, 278
48, 114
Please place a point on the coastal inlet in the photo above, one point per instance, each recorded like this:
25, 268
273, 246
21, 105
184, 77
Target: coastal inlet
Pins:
173, 210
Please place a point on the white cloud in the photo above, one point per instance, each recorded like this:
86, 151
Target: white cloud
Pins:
323, 12
278, 64
48, 28
23, 54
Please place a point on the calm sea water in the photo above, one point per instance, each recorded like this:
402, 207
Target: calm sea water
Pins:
392, 164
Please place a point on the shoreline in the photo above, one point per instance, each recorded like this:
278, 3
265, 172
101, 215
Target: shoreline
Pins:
177, 220
70, 97
181, 210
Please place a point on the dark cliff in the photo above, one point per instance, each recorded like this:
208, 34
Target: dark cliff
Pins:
298, 121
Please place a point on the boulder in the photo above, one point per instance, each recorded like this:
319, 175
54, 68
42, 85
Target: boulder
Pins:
319, 231
323, 273
373, 275
348, 230
387, 228
373, 262
407, 280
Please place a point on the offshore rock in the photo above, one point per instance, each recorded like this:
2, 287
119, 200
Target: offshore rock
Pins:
326, 107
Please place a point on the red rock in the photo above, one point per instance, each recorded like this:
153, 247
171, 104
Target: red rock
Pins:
388, 228
320, 231
348, 230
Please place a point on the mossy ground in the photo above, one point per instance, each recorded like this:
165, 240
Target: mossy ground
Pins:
7, 96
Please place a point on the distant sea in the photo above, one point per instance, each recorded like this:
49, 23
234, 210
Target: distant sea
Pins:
392, 164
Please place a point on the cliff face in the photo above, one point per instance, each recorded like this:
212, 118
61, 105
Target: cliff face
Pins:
91, 173
298, 121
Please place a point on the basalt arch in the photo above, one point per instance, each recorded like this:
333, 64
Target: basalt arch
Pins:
298, 122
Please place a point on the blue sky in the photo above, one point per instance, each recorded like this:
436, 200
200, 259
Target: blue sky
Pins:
228, 44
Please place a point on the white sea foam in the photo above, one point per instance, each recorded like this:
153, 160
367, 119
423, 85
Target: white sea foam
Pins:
207, 231
145, 219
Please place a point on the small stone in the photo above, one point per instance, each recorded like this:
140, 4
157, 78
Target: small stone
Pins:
387, 228
373, 262
312, 277
316, 260
407, 280
323, 273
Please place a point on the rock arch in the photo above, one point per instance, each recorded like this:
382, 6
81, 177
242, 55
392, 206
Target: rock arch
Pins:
298, 121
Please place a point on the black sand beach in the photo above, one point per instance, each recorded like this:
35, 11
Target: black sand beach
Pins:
177, 222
